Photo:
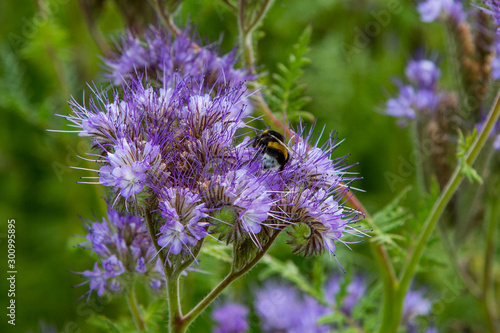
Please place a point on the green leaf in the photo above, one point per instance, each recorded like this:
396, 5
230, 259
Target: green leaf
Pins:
286, 94
153, 315
331, 318
464, 143
105, 323
389, 218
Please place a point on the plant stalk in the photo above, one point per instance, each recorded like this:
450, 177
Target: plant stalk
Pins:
390, 325
134, 310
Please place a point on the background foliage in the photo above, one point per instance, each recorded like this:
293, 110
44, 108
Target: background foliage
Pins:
47, 56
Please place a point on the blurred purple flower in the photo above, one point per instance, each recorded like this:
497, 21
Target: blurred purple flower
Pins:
421, 95
415, 304
281, 308
424, 73
496, 143
231, 318
431, 10
403, 105
495, 63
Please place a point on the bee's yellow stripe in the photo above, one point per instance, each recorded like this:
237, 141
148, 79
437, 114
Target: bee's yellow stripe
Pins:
280, 147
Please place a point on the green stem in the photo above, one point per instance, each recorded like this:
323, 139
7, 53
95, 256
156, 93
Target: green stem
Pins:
246, 30
435, 214
233, 275
174, 305
134, 310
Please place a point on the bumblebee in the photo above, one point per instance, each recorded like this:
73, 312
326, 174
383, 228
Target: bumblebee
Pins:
274, 151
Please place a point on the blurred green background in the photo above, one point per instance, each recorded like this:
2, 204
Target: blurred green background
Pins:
46, 57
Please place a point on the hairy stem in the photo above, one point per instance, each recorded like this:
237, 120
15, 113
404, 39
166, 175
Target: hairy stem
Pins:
435, 214
134, 310
233, 275
174, 305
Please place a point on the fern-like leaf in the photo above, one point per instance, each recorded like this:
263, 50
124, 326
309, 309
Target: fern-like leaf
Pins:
286, 93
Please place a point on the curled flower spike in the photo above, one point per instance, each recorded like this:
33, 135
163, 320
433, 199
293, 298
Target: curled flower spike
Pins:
125, 251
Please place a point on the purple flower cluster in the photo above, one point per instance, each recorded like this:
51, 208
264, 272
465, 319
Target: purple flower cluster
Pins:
431, 10
158, 54
125, 252
178, 145
420, 95
231, 318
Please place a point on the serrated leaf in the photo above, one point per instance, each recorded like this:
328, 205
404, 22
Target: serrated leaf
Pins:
393, 214
286, 93
470, 173
154, 312
464, 143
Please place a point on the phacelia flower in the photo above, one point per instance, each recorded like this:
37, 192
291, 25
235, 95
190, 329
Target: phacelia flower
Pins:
177, 152
159, 55
185, 222
420, 95
431, 10
282, 309
125, 250
231, 318
423, 73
